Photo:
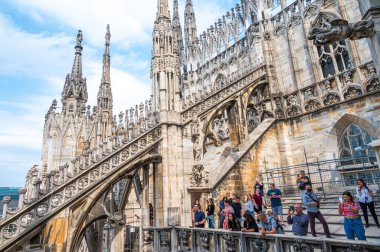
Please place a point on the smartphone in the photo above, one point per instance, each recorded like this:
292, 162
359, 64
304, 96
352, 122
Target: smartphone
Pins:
341, 200
291, 208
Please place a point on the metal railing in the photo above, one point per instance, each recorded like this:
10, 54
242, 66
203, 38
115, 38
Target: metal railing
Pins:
329, 177
195, 239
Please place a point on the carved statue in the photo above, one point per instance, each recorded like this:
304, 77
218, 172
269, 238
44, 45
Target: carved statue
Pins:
197, 150
339, 29
79, 38
198, 176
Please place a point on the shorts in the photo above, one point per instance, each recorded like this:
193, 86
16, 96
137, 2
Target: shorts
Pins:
277, 210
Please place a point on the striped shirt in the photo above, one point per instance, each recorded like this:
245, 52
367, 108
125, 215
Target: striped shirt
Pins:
347, 209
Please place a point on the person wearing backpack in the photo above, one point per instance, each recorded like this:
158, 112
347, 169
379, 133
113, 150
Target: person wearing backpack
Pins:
269, 225
311, 201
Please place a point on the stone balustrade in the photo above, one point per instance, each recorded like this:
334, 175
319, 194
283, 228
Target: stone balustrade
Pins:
349, 85
235, 83
64, 188
196, 239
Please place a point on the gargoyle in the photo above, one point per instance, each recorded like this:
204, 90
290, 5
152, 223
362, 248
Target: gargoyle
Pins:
339, 29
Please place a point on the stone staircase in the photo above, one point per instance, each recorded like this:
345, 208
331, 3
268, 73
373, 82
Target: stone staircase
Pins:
329, 209
235, 157
65, 189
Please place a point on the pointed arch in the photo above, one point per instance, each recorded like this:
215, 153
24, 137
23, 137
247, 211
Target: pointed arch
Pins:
347, 119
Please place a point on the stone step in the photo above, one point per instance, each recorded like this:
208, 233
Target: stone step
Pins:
338, 219
337, 231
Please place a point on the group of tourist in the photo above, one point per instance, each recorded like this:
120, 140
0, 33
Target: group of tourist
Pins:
232, 217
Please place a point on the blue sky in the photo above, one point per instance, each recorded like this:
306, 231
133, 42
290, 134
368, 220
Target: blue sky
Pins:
37, 51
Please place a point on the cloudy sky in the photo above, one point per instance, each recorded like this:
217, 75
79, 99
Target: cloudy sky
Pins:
37, 39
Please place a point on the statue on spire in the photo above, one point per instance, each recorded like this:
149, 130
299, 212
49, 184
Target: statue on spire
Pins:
79, 38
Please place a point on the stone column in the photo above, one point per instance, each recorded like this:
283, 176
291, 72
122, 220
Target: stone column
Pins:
6, 201
21, 193
375, 144
52, 176
370, 9
38, 187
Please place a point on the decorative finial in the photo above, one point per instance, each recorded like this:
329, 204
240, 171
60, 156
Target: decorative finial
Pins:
79, 38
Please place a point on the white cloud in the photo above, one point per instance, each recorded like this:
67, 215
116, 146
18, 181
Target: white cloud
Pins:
131, 21
47, 58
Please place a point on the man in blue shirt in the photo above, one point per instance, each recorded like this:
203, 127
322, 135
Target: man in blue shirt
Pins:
299, 220
267, 224
275, 196
311, 201
199, 217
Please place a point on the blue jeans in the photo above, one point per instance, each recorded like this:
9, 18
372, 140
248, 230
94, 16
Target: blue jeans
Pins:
210, 221
354, 227
252, 213
277, 210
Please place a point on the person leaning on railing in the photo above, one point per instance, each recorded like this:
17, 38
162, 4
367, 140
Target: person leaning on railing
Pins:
353, 225
269, 224
199, 217
249, 223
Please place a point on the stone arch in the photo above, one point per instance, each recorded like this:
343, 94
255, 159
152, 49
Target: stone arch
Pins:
347, 119
256, 107
84, 208
222, 125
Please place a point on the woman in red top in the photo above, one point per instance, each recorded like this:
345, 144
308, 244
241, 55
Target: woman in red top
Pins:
258, 199
353, 225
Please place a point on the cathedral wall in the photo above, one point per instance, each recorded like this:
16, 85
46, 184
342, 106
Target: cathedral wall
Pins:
241, 179
314, 131
283, 64
301, 63
285, 143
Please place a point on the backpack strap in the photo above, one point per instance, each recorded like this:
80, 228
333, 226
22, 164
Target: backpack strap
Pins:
313, 199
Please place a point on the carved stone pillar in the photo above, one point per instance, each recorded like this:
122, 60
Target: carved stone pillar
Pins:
148, 240
164, 241
38, 188
184, 237
205, 241
21, 197
230, 242
52, 176
6, 201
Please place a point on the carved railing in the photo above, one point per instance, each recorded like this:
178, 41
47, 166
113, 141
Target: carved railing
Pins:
195, 239
235, 83
64, 189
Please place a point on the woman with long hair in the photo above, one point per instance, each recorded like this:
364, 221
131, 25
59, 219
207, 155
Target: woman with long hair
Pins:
364, 194
210, 213
353, 225
233, 223
226, 212
249, 224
